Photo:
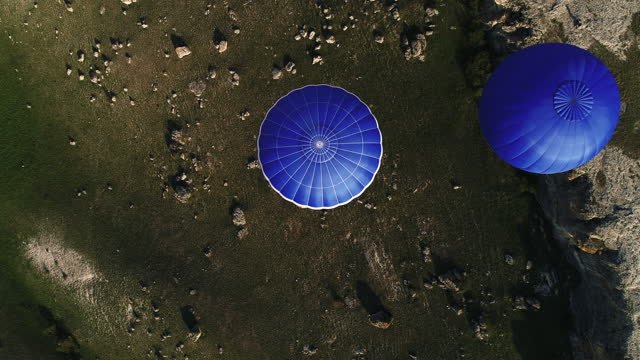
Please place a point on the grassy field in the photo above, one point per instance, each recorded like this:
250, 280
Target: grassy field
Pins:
290, 281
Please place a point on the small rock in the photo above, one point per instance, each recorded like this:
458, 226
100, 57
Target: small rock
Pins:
480, 329
183, 192
239, 217
211, 72
242, 233
197, 87
451, 280
221, 46
276, 73
255, 164
183, 51
431, 12
519, 303
426, 254
381, 319
207, 251
234, 78
317, 59
244, 114
414, 47
290, 66
509, 259
533, 303
309, 350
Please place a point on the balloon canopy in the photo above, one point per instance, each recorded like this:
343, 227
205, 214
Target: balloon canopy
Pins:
549, 108
320, 146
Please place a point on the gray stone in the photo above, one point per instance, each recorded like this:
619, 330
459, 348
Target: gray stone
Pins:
183, 51
197, 87
238, 217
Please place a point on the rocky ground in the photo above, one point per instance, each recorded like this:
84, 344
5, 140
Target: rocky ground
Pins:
593, 210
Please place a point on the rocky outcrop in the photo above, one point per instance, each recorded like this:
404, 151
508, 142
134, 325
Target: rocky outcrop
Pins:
583, 22
595, 210
595, 213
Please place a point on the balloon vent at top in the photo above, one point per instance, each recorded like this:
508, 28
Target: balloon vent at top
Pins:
549, 108
320, 146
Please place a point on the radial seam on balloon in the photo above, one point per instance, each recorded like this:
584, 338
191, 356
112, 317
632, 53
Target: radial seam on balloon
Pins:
360, 153
299, 118
279, 156
324, 118
303, 176
593, 67
278, 137
317, 105
338, 173
557, 155
333, 186
361, 143
604, 73
552, 138
520, 136
285, 168
326, 114
281, 125
293, 173
282, 147
357, 121
581, 67
571, 163
339, 135
354, 169
291, 108
335, 135
339, 109
575, 149
321, 188
311, 185
308, 111
293, 177
595, 140
282, 165
360, 132
584, 140
342, 179
535, 142
299, 112
342, 119
509, 125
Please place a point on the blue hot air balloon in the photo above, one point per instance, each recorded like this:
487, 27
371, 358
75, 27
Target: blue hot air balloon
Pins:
549, 108
320, 146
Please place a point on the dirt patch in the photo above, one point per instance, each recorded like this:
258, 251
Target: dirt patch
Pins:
381, 269
62, 264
